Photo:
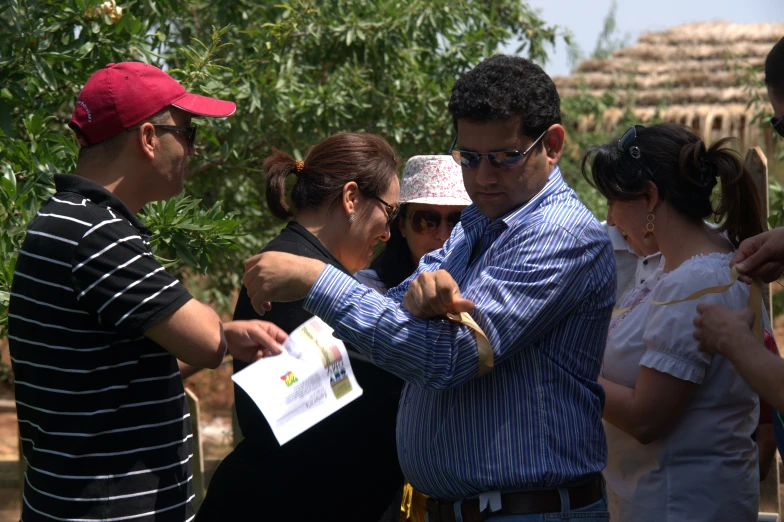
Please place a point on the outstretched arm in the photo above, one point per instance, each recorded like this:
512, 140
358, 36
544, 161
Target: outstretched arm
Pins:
727, 332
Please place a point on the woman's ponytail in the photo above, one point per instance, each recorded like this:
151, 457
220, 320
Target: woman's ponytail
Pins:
740, 201
277, 168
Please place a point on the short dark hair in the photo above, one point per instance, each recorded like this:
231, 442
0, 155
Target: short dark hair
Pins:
365, 159
505, 87
685, 172
109, 148
774, 69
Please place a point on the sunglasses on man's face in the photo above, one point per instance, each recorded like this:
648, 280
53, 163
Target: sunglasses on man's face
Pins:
500, 159
428, 221
190, 132
778, 125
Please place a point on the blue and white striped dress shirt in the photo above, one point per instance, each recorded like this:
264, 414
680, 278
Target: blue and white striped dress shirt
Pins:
544, 287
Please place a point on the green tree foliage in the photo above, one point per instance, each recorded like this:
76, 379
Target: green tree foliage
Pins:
298, 72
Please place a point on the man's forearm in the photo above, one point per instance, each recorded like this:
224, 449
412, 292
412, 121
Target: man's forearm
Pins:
429, 353
763, 370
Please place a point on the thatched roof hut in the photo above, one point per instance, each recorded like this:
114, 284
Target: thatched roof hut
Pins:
692, 74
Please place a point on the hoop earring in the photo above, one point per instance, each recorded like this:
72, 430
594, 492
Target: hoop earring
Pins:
351, 217
648, 237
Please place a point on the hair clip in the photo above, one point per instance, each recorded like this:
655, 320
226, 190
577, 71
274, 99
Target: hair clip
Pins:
299, 164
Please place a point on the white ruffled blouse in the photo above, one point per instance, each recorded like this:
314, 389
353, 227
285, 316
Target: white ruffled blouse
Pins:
706, 468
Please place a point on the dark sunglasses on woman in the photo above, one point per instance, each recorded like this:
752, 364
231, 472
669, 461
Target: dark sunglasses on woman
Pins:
427, 221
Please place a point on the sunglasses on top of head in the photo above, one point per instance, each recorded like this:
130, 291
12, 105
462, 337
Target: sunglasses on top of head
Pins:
778, 125
427, 221
628, 144
498, 159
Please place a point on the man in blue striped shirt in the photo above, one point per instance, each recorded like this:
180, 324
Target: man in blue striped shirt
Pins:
525, 439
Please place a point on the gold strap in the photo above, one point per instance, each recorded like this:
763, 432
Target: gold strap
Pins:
483, 348
405, 504
755, 300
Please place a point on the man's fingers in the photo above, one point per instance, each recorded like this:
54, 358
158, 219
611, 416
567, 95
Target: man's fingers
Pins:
274, 331
461, 305
412, 299
251, 261
428, 296
447, 289
266, 342
753, 262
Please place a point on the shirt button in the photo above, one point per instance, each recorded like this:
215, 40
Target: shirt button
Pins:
645, 262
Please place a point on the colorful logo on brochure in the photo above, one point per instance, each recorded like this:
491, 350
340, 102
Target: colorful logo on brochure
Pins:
289, 378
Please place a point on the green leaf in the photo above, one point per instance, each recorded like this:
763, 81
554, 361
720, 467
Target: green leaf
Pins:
8, 187
5, 118
45, 72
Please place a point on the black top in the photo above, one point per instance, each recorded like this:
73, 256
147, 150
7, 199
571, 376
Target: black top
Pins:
101, 408
346, 464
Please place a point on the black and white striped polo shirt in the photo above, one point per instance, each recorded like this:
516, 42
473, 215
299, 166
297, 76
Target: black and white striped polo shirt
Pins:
102, 412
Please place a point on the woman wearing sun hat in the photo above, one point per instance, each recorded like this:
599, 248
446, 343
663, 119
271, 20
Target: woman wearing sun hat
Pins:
432, 196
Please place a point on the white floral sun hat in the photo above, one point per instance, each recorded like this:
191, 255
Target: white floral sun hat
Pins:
433, 180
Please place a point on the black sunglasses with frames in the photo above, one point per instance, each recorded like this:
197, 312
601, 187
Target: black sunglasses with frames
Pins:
190, 132
628, 143
778, 125
392, 210
427, 221
502, 158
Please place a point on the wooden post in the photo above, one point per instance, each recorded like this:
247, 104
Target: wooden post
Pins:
757, 163
198, 455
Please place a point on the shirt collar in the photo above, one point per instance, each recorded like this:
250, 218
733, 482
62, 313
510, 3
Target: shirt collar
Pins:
472, 216
96, 194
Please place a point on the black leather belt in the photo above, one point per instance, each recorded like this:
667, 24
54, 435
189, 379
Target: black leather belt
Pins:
520, 503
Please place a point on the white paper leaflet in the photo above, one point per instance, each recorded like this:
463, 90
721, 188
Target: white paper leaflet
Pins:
308, 382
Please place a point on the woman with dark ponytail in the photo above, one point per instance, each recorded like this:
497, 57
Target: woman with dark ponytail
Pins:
678, 421
344, 468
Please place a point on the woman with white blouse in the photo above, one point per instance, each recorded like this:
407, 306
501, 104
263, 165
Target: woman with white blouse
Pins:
679, 421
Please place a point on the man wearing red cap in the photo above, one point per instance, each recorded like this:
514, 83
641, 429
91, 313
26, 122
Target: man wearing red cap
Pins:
96, 325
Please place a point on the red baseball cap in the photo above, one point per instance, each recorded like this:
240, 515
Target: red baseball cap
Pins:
121, 95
